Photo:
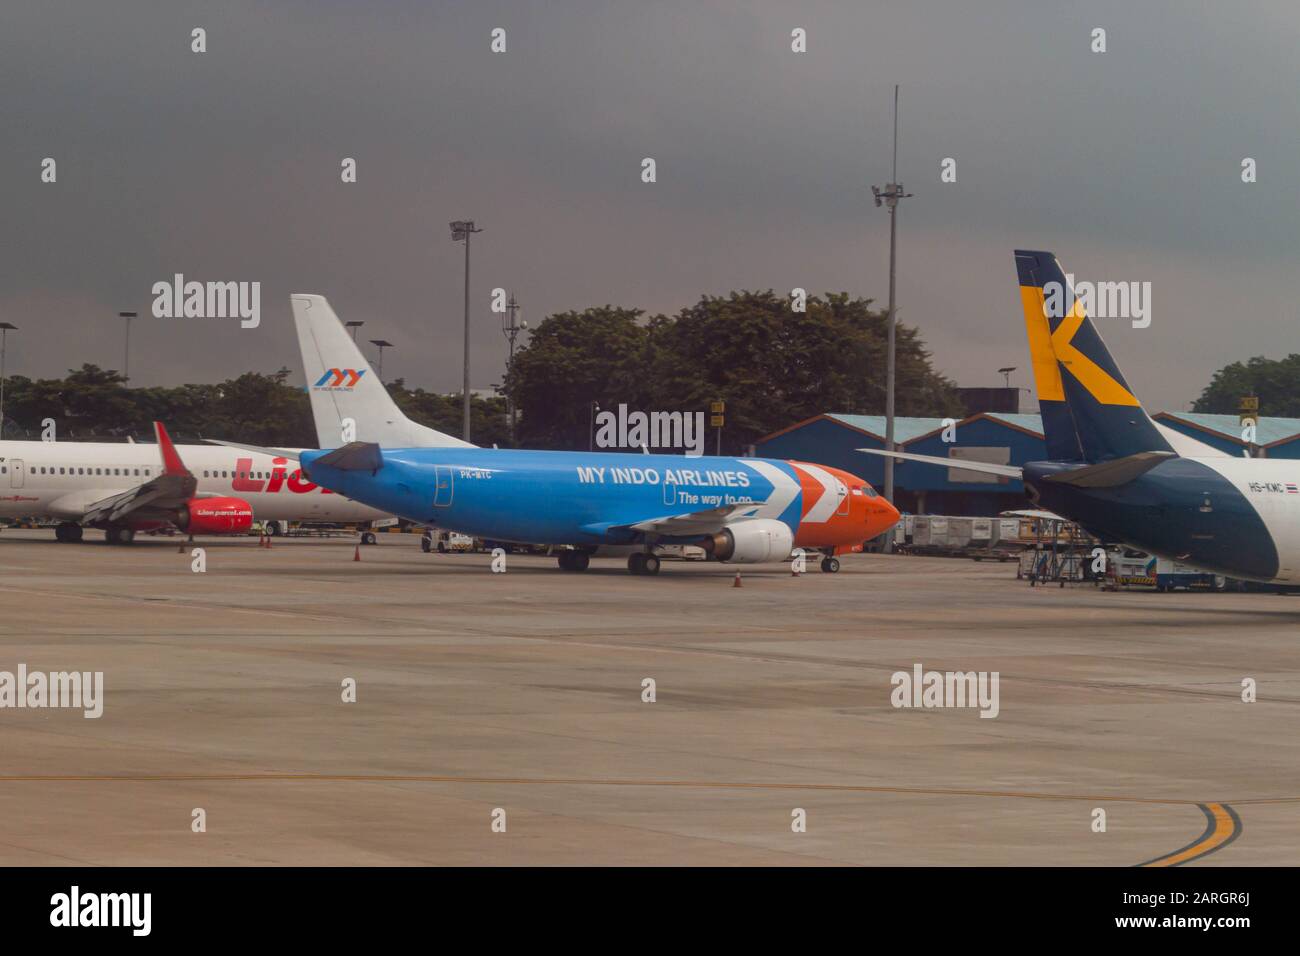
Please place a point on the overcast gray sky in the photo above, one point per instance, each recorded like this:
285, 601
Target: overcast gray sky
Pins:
225, 166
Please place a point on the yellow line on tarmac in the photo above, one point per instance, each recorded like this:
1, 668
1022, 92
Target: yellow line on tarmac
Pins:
1222, 826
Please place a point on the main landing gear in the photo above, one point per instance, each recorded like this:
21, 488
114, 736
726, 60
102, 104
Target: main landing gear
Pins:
830, 564
67, 531
574, 560
119, 535
639, 562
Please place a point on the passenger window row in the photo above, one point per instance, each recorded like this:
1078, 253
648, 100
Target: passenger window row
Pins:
88, 470
246, 474
135, 472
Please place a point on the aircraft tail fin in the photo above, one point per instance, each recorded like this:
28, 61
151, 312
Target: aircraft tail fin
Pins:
1089, 413
343, 387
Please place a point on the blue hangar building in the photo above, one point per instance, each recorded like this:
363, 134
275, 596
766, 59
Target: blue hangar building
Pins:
1002, 437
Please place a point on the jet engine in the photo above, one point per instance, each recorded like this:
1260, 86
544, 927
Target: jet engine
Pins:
215, 516
751, 542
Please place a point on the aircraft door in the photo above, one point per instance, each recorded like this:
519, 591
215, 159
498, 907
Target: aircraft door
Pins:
16, 473
443, 486
670, 488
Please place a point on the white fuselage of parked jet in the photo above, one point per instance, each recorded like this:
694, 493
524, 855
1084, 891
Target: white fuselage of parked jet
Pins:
1272, 487
63, 479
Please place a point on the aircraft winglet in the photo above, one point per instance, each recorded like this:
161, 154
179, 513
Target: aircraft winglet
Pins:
172, 464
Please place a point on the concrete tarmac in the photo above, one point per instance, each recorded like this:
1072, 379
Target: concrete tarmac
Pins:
519, 697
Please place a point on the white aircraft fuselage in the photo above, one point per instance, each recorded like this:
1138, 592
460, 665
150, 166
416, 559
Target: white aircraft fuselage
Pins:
62, 479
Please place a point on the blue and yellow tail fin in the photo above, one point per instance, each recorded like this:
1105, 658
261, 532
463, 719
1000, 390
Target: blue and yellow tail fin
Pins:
1089, 413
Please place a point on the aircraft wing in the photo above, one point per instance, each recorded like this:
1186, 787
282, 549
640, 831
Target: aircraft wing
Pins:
258, 449
165, 491
1031, 513
693, 522
965, 464
173, 487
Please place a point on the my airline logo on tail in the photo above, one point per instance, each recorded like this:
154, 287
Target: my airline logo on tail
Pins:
339, 379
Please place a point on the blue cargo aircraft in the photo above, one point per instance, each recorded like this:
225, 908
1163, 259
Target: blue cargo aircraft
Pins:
739, 510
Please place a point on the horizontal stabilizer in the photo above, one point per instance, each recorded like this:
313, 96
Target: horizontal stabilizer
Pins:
354, 456
1109, 474
985, 467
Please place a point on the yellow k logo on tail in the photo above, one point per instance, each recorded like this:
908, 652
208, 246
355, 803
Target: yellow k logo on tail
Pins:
1090, 375
1047, 348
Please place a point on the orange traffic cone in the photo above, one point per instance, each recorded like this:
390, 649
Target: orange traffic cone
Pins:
356, 555
268, 542
736, 583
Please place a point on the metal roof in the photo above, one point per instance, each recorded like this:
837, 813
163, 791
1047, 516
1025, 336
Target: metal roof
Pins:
1030, 423
1268, 431
905, 429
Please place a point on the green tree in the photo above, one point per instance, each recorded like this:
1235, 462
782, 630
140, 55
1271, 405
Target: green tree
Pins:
90, 402
574, 359
487, 416
259, 409
772, 366
1275, 381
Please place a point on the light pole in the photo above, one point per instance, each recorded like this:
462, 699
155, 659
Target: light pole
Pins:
5, 329
354, 325
889, 197
381, 344
510, 328
1005, 372
463, 229
126, 349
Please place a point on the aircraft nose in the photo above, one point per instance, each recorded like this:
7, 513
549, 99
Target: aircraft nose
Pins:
883, 517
